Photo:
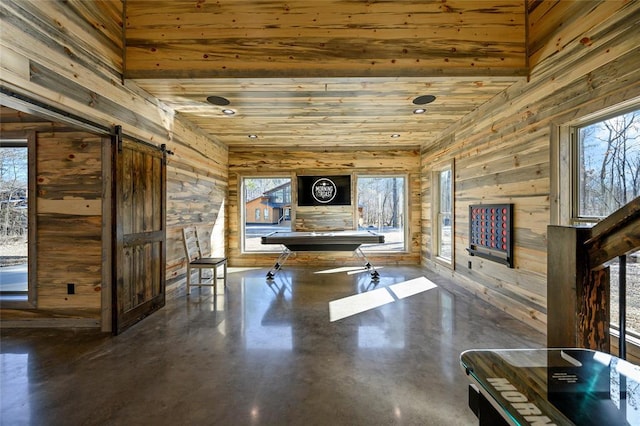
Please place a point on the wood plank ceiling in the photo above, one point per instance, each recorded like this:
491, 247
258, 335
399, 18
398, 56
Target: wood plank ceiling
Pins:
325, 73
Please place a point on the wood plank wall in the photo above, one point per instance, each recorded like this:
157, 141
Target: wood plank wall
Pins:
585, 57
253, 163
69, 188
325, 218
302, 38
53, 56
69, 220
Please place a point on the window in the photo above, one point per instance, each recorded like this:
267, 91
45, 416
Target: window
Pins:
14, 220
381, 208
260, 195
442, 199
282, 195
606, 175
596, 170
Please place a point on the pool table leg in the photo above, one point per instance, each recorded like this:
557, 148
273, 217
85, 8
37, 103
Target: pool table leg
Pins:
279, 263
375, 275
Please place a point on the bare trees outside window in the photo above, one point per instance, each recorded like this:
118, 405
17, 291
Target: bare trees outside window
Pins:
381, 208
13, 217
442, 201
268, 207
445, 214
608, 172
607, 176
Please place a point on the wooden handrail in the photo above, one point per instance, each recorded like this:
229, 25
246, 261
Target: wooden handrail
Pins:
616, 235
578, 302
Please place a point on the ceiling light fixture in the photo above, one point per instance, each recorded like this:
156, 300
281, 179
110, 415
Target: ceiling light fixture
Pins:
419, 111
228, 111
424, 99
218, 100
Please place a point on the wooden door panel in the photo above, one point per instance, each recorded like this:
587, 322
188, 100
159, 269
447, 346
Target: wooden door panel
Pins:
139, 257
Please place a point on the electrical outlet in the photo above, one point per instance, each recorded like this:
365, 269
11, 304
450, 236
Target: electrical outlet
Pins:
71, 288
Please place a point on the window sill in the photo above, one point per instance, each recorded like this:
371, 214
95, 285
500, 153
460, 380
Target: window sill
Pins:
447, 263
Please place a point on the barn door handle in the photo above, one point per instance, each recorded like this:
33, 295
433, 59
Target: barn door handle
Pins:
117, 133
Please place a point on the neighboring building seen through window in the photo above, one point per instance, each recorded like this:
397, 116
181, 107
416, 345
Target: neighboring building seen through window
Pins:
381, 208
269, 198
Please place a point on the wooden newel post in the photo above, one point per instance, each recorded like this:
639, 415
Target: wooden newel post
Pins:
577, 298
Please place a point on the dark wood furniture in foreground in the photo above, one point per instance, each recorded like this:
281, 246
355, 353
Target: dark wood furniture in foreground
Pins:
552, 386
322, 241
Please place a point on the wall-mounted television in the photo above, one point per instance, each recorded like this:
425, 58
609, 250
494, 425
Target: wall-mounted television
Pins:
324, 190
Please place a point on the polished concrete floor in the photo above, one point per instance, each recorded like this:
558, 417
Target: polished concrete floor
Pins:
266, 354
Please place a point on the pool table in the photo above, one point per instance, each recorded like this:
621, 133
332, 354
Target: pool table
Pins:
322, 241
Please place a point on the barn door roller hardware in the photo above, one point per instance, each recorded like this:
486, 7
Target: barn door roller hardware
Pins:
118, 133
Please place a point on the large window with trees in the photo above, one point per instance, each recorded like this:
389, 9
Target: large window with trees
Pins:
382, 208
604, 153
607, 172
267, 208
442, 210
14, 220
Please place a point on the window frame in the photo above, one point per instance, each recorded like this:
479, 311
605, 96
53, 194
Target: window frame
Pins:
436, 195
575, 153
564, 155
242, 213
405, 206
31, 300
564, 186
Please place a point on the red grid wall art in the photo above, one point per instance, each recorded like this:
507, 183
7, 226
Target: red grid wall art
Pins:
491, 232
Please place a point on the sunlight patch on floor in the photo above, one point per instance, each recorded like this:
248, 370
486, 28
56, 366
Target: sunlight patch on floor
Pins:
352, 305
342, 269
411, 287
235, 269
357, 303
359, 270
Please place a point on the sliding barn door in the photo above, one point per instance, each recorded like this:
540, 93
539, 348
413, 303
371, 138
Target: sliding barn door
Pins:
139, 231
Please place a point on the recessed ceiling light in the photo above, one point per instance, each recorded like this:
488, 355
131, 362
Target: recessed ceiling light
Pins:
228, 111
218, 100
424, 99
395, 135
419, 111
253, 136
